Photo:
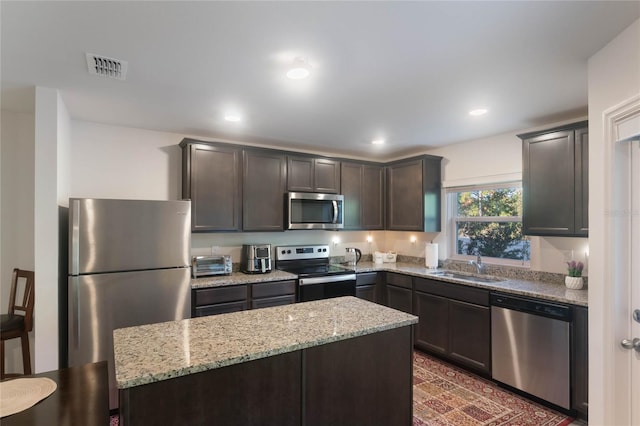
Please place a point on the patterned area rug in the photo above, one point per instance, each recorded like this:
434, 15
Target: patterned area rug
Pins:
446, 395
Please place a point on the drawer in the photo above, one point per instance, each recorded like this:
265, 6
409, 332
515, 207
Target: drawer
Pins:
209, 296
399, 280
463, 293
273, 301
270, 289
366, 278
221, 308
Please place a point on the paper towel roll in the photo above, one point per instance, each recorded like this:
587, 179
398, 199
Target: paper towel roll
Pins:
431, 255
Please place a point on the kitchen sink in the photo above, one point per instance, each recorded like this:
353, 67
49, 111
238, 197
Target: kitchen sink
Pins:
466, 277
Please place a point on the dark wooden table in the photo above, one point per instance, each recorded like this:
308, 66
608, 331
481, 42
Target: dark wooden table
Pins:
81, 398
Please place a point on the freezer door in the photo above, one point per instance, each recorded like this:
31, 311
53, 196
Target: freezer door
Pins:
127, 235
99, 304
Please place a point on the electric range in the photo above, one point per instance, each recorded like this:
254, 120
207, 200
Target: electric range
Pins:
317, 278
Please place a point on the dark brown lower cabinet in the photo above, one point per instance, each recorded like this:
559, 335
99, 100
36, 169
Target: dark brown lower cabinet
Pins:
251, 393
580, 362
362, 381
219, 300
470, 335
455, 323
399, 292
277, 293
432, 333
366, 286
365, 380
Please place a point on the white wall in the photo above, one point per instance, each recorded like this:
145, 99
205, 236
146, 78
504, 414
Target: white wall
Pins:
122, 162
46, 229
17, 211
614, 76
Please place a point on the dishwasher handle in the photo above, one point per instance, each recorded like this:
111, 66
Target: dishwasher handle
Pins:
532, 306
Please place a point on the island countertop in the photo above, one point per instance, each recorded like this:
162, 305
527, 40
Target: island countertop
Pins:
156, 352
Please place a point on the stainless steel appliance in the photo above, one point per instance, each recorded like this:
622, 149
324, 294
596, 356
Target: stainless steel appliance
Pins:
352, 256
128, 265
211, 265
314, 211
255, 258
530, 347
317, 278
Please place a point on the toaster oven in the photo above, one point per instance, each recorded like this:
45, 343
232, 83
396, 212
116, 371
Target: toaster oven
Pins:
211, 265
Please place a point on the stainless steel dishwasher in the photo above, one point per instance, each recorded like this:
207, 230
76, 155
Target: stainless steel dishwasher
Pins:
530, 347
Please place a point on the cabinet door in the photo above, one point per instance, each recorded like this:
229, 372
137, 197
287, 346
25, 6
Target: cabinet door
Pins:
300, 174
326, 176
580, 361
582, 182
399, 298
362, 185
264, 185
405, 197
372, 200
432, 331
470, 335
213, 175
366, 292
351, 188
548, 184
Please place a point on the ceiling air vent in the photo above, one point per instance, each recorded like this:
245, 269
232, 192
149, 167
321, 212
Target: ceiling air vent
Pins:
106, 67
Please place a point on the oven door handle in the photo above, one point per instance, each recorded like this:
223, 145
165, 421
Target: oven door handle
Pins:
327, 279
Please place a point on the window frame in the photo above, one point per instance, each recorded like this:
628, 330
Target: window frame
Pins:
453, 219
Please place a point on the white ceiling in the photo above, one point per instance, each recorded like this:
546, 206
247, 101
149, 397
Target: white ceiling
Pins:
408, 72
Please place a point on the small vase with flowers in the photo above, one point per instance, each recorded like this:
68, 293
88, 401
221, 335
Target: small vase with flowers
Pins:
574, 280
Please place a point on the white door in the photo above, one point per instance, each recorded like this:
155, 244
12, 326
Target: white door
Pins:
614, 356
635, 283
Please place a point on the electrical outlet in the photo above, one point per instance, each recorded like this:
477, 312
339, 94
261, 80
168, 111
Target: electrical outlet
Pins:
215, 250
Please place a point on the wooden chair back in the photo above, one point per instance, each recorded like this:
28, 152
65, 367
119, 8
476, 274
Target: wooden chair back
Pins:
27, 290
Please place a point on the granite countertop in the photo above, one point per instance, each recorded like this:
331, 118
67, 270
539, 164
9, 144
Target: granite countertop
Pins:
156, 352
537, 289
240, 278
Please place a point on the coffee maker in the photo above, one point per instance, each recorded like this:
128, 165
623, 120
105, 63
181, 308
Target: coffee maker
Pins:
255, 258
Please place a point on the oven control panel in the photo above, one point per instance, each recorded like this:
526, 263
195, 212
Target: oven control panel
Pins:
319, 251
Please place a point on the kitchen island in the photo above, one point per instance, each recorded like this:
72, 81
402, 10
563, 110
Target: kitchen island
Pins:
334, 361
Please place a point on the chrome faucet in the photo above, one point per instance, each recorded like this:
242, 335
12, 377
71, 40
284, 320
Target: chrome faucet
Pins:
478, 264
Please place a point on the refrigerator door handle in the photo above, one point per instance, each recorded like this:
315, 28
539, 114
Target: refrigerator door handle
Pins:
75, 238
75, 310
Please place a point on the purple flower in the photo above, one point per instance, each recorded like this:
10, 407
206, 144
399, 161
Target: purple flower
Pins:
575, 268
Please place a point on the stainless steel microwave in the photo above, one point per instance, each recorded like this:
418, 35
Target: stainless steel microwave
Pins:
314, 211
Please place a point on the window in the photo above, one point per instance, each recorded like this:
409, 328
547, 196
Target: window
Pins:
487, 220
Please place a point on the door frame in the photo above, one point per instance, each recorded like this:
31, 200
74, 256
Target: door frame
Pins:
612, 388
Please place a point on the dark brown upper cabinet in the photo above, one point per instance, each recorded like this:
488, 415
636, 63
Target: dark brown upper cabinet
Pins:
362, 186
211, 179
313, 174
555, 179
264, 181
413, 192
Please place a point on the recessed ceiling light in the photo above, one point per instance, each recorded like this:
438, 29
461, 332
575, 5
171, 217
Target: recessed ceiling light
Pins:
299, 70
377, 142
479, 111
232, 117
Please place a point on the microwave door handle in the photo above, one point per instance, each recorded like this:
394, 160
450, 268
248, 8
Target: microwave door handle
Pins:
335, 211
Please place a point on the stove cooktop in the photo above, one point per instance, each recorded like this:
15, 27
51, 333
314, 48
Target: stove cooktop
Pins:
316, 270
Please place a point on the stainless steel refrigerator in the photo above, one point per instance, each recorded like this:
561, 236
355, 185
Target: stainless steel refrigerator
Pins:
128, 265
